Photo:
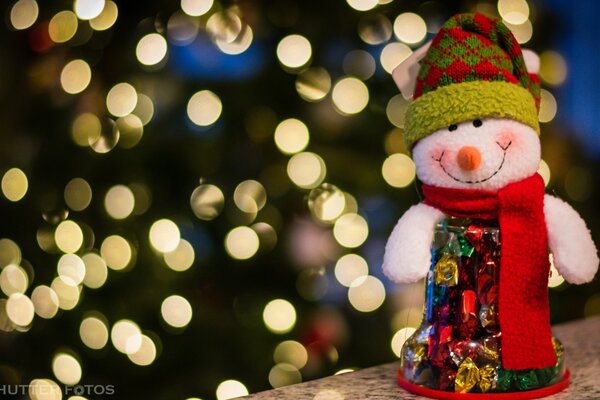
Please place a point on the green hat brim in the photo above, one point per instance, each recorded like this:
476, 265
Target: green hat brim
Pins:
467, 101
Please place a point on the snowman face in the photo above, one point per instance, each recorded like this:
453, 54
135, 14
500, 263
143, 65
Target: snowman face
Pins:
483, 154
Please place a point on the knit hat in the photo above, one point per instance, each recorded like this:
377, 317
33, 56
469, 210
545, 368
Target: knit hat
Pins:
473, 69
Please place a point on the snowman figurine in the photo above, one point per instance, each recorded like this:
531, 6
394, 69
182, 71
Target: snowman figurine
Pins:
482, 234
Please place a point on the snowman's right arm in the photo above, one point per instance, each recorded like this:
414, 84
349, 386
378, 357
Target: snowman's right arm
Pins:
407, 255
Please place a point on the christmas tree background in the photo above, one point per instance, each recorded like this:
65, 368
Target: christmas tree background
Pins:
196, 195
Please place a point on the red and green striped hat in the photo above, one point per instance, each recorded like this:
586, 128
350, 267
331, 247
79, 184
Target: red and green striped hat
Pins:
473, 69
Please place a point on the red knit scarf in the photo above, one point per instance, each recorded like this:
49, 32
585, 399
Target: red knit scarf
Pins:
523, 309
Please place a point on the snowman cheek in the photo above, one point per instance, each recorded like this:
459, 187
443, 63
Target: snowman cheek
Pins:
506, 137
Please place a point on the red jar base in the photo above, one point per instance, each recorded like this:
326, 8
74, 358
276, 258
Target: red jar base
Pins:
443, 395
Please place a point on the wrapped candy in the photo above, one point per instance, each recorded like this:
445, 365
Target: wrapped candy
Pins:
458, 346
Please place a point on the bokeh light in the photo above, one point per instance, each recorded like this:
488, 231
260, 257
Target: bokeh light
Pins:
196, 8
96, 271
68, 236
291, 352
182, 258
176, 311
374, 29
398, 170
164, 235
279, 316
396, 110
366, 294
23, 14
553, 68
362, 5
204, 108
393, 54
93, 332
126, 336
548, 107
68, 293
350, 95
75, 76
71, 269
326, 202
14, 184
146, 354
62, 26
119, 202
400, 338
241, 243
515, 12
544, 171
66, 368
313, 84
88, 9
207, 201
360, 64
230, 389
13, 279
250, 196
284, 374
131, 129
116, 252
307, 170
294, 51
78, 194
144, 109
106, 18
44, 389
10, 253
85, 129
351, 230
522, 32
350, 267
151, 49
291, 136
410, 28
121, 99
45, 301
20, 309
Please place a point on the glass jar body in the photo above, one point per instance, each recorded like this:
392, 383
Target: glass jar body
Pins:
458, 345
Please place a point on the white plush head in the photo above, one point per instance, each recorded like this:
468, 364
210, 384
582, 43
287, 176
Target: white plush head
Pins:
483, 154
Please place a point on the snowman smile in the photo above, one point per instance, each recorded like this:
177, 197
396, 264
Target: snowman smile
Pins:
504, 150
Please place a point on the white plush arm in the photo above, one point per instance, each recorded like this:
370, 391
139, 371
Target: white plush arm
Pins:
569, 239
407, 255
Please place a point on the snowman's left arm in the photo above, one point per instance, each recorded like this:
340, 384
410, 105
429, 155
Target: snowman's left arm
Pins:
569, 239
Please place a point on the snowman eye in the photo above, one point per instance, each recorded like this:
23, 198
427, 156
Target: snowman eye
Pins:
453, 127
477, 123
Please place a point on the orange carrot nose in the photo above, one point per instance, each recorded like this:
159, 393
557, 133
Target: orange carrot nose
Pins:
468, 158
